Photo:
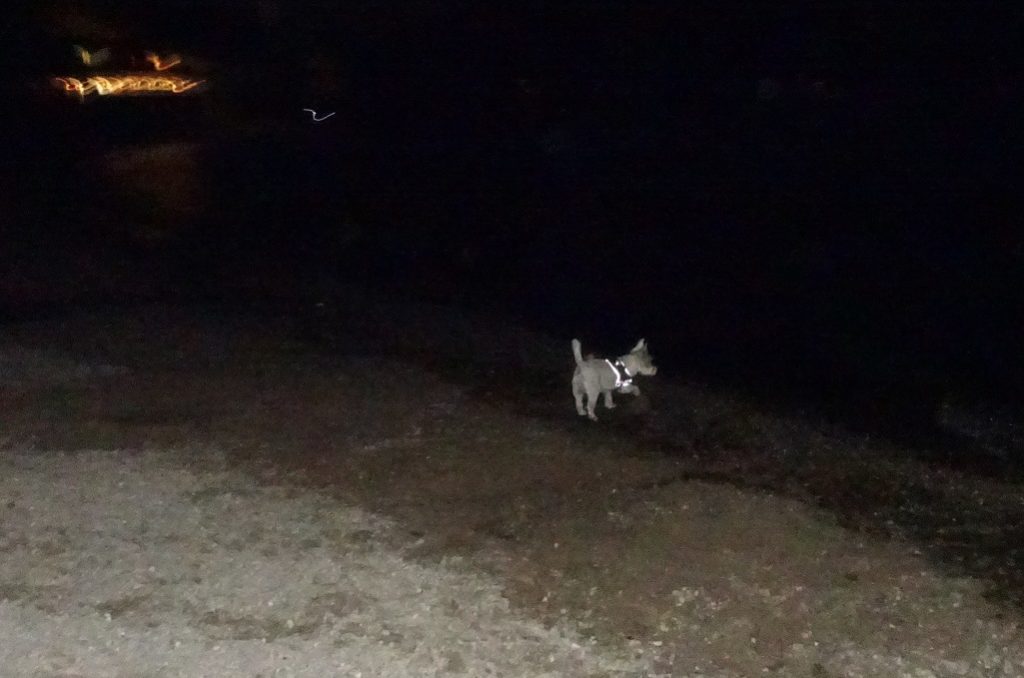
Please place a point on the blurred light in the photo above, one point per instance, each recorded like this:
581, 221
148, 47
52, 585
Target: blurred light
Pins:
126, 85
163, 64
321, 118
96, 58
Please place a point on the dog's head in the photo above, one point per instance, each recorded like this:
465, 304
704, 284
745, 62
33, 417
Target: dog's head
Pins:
639, 361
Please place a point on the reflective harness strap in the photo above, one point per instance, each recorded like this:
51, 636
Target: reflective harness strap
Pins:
618, 369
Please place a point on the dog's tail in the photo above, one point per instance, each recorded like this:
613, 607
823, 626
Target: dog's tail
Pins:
577, 352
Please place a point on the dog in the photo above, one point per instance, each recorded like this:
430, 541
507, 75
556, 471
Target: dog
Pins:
594, 376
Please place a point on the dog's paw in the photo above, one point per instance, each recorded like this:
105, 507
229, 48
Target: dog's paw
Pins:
592, 417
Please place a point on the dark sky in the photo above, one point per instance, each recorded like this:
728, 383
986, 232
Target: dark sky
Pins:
814, 188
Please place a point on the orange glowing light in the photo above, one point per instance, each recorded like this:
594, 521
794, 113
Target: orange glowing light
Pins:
127, 85
163, 64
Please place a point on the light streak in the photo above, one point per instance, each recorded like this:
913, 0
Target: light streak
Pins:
92, 58
126, 85
316, 119
163, 64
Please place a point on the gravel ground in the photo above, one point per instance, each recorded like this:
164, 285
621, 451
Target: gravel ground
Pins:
205, 495
164, 563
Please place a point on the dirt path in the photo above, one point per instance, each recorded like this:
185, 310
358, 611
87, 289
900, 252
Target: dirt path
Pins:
409, 517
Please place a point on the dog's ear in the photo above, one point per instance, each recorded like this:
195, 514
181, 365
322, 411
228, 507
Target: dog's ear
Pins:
640, 345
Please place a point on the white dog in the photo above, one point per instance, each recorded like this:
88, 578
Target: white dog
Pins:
594, 376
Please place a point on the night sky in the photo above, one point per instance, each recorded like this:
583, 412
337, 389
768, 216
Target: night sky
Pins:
806, 200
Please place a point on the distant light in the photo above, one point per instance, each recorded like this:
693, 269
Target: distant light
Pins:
316, 119
163, 64
126, 85
96, 58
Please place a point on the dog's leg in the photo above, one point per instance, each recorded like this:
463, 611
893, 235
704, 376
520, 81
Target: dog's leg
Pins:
577, 394
608, 402
593, 393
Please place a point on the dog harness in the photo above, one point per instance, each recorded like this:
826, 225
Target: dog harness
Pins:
618, 369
